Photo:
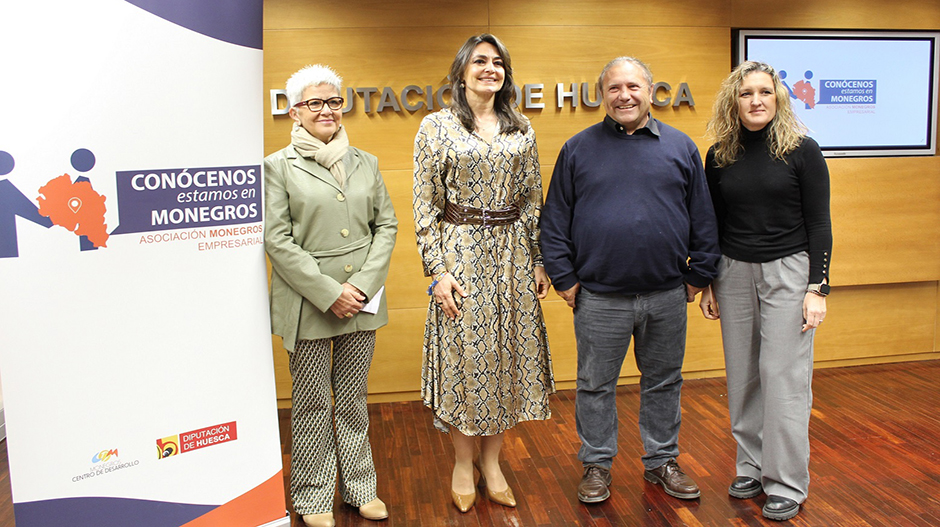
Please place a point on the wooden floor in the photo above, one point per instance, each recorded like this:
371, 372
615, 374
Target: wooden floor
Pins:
875, 438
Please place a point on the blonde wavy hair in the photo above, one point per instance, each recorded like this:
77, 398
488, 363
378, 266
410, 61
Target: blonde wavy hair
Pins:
784, 133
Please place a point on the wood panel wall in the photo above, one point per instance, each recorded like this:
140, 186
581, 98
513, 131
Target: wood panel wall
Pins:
886, 211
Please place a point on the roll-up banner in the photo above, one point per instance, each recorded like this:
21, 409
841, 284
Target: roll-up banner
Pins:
135, 349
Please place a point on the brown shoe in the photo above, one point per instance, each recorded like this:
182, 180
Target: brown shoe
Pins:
594, 484
673, 480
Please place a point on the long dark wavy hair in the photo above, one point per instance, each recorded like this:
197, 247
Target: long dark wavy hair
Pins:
510, 120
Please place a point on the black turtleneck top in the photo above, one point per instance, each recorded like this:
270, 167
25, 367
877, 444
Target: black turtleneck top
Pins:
769, 208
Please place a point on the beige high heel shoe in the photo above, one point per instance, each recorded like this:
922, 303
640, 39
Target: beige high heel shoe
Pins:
464, 502
503, 497
374, 510
319, 520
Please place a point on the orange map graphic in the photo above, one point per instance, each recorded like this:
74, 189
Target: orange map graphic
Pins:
805, 92
75, 206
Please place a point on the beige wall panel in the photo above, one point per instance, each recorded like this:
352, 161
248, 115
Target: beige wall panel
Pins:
936, 332
375, 58
292, 14
396, 366
886, 220
609, 13
700, 57
703, 350
878, 321
830, 14
560, 323
282, 383
406, 285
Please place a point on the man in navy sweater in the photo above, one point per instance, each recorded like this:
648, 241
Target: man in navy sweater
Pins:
628, 237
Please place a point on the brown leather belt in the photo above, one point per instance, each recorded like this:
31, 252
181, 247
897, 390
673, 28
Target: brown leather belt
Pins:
464, 215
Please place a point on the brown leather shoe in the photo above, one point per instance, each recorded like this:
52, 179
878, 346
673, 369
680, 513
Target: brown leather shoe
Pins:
673, 480
594, 484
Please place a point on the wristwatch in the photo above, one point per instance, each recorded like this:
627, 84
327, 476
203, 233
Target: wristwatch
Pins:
818, 289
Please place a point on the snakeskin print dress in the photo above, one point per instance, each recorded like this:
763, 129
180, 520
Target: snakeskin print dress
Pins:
490, 368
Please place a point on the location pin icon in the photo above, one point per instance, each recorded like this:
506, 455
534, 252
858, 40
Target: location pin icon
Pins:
75, 204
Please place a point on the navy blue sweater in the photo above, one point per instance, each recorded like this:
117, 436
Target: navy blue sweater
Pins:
629, 214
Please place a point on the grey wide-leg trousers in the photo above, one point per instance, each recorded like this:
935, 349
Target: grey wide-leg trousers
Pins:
769, 363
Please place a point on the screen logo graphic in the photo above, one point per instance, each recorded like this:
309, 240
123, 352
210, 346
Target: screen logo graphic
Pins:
831, 91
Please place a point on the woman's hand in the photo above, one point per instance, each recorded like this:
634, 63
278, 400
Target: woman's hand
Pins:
542, 283
443, 294
814, 311
350, 301
709, 304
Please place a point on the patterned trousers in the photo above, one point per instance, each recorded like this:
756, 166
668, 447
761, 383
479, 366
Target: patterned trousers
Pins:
321, 451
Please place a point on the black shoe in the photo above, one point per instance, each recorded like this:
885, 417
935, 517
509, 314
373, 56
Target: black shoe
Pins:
780, 508
594, 483
744, 488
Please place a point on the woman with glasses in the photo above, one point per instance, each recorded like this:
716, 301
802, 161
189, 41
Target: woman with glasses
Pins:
477, 199
770, 187
329, 232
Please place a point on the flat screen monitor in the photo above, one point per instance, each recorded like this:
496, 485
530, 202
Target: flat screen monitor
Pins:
859, 93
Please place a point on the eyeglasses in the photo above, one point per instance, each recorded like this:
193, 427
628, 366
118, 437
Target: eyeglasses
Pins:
315, 105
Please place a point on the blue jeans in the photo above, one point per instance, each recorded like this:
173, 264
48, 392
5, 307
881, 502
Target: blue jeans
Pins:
604, 325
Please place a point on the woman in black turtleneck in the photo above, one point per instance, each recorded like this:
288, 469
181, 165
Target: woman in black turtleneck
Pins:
770, 188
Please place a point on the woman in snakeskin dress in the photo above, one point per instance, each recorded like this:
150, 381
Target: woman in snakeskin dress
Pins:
477, 199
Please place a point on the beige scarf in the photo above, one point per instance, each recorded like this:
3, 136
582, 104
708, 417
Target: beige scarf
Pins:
329, 155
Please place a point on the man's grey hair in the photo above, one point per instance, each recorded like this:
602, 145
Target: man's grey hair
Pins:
647, 74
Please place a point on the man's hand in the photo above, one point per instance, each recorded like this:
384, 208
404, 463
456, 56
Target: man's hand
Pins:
569, 294
691, 291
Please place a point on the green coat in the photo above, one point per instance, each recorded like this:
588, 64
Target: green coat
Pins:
318, 236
